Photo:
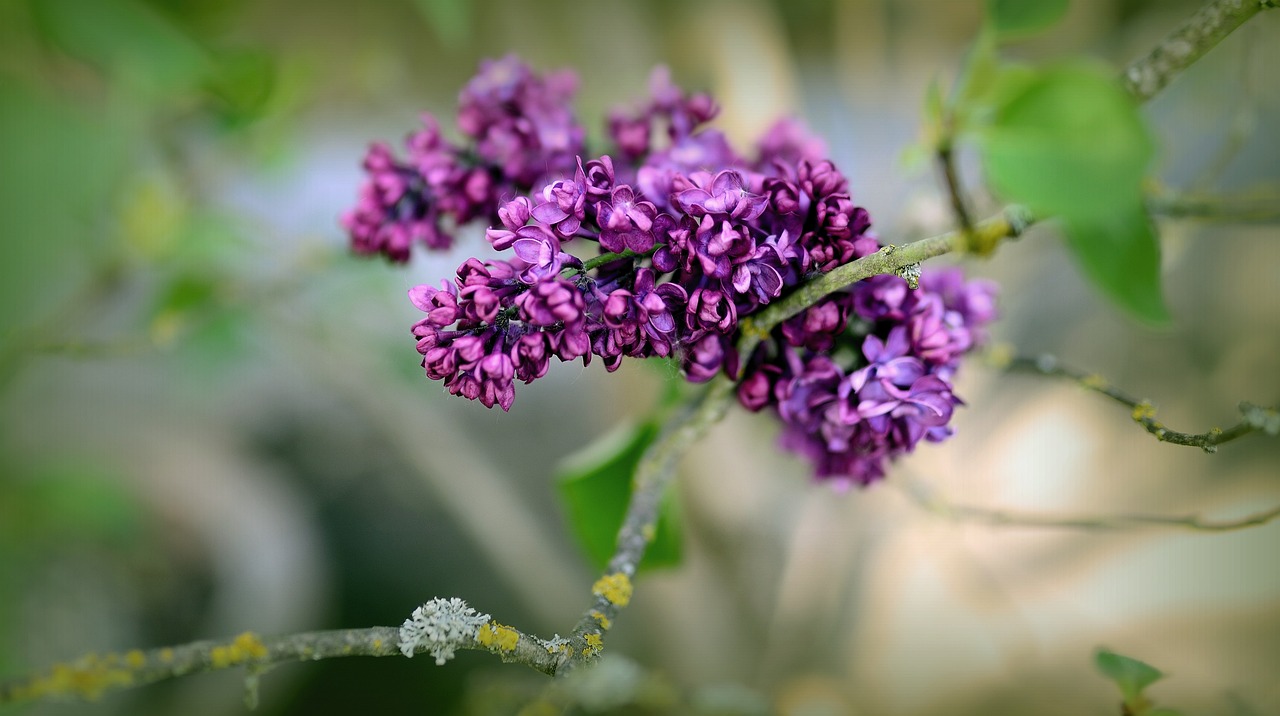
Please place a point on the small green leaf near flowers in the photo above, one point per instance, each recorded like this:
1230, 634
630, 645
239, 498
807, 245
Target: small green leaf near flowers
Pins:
1068, 141
595, 487
1130, 675
1016, 19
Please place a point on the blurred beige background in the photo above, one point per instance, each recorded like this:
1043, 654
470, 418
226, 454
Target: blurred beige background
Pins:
213, 419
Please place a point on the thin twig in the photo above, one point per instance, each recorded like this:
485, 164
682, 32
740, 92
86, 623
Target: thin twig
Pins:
1199, 34
888, 260
1249, 208
934, 504
1254, 418
959, 203
90, 676
653, 474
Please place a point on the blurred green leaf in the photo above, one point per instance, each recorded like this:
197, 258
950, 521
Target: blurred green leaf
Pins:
1014, 19
933, 103
199, 314
1120, 253
60, 170
1069, 142
1131, 675
68, 502
978, 75
126, 38
451, 20
1164, 712
1011, 80
595, 487
188, 292
243, 84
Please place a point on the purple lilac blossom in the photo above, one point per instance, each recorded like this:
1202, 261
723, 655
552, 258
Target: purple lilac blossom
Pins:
660, 249
519, 131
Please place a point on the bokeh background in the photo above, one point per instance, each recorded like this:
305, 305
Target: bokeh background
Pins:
212, 418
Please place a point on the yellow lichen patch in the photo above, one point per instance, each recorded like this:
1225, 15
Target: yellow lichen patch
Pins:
246, 647
595, 644
377, 644
166, 655
135, 659
1094, 381
87, 678
249, 646
496, 636
616, 588
648, 532
220, 657
1000, 355
601, 619
1143, 411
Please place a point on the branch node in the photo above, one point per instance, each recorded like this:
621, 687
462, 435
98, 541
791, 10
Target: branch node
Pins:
1020, 219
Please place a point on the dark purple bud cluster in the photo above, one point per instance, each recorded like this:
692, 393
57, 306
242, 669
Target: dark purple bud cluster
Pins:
680, 239
520, 130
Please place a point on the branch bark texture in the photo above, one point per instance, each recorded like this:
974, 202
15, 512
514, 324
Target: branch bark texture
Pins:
1199, 34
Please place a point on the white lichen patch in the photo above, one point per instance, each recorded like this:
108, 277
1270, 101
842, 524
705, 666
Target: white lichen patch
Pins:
911, 272
555, 644
442, 625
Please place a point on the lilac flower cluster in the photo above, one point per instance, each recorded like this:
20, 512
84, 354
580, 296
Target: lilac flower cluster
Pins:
865, 375
520, 129
685, 238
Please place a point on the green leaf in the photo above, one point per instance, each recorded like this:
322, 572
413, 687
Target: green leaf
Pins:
981, 68
61, 167
242, 85
1121, 255
68, 502
1015, 19
595, 487
128, 38
1131, 675
451, 20
1067, 141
